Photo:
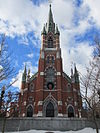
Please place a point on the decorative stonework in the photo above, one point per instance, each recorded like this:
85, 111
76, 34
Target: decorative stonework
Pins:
39, 113
60, 103
42, 54
41, 73
58, 73
60, 114
40, 102
51, 99
58, 55
50, 49
24, 103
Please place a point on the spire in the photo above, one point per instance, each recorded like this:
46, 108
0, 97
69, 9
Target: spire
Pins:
71, 72
24, 74
25, 69
57, 31
75, 69
44, 30
50, 15
50, 23
28, 75
76, 75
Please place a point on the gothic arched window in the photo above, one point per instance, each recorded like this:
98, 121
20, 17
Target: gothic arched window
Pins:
50, 42
29, 111
70, 111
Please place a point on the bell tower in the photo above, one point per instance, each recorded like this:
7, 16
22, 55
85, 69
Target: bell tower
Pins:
50, 62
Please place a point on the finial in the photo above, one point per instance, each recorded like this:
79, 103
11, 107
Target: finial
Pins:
50, 5
50, 1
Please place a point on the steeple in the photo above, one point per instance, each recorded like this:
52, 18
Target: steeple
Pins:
50, 23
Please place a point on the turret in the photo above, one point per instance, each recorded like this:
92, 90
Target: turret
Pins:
43, 31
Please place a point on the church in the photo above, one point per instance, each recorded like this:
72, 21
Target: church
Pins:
50, 92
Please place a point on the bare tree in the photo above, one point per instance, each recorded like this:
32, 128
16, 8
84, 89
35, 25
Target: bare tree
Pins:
91, 86
8, 99
6, 68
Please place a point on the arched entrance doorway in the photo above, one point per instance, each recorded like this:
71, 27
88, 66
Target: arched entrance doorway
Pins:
50, 110
70, 111
29, 111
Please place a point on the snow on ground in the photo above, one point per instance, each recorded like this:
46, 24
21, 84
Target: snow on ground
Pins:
86, 130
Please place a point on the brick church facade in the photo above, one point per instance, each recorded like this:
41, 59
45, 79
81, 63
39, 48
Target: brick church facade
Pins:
50, 92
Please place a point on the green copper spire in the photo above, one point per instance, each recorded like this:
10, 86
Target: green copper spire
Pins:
50, 23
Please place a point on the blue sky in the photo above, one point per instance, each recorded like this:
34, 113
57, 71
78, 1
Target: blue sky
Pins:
23, 20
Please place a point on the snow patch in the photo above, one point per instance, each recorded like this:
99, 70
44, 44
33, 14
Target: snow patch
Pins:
86, 130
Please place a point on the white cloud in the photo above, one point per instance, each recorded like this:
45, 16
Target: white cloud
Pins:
30, 55
22, 16
19, 78
33, 69
81, 54
94, 7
